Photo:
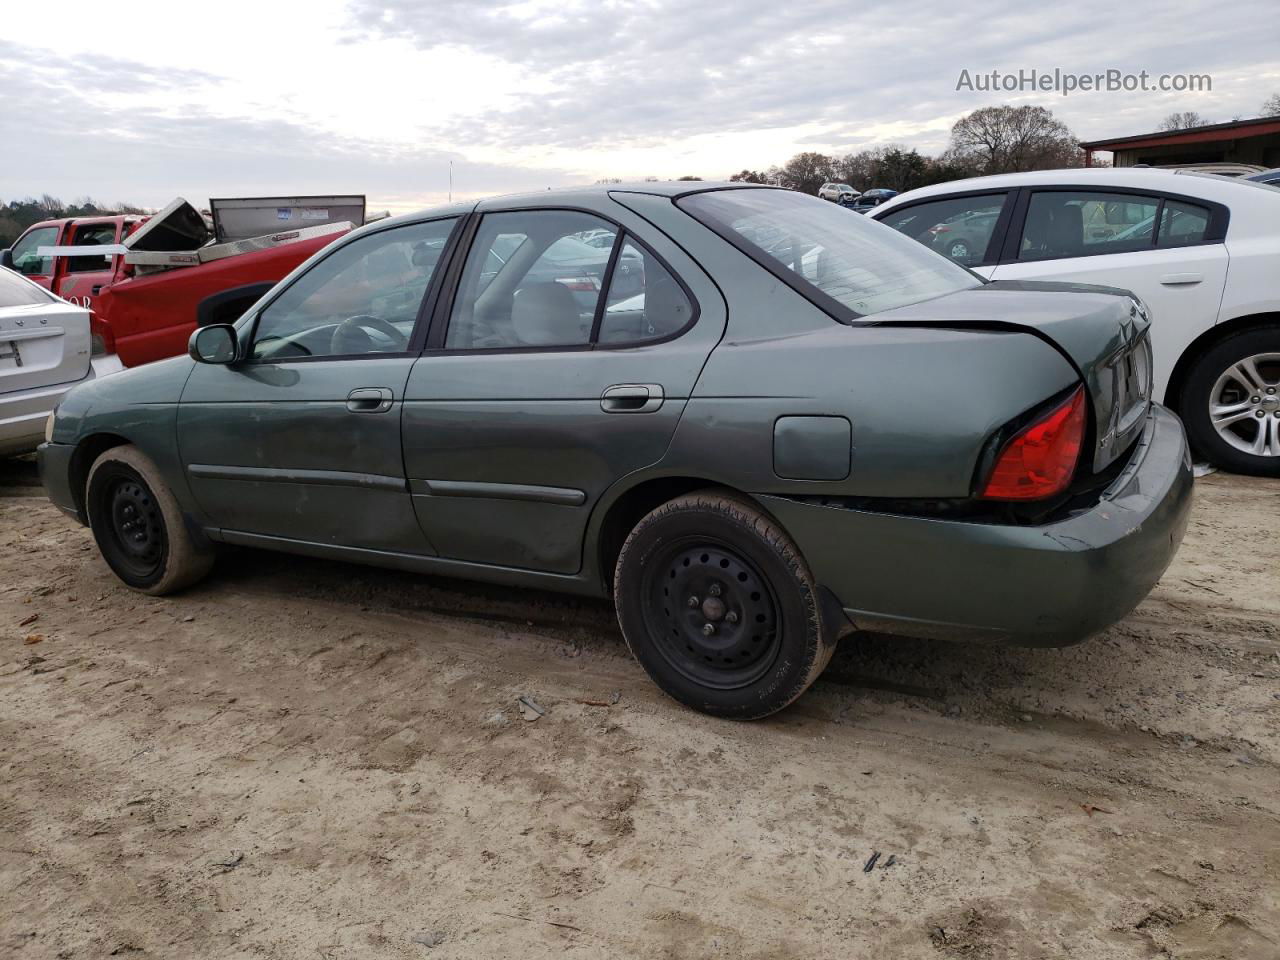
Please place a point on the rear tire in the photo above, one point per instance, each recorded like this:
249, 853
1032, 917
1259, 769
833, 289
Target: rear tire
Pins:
719, 607
1236, 379
139, 526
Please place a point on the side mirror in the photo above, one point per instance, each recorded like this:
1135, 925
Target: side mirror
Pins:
6, 258
215, 343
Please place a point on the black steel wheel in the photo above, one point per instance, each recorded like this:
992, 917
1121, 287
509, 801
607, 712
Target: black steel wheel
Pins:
134, 535
719, 607
711, 615
138, 525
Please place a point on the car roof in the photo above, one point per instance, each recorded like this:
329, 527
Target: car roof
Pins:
570, 197
1207, 186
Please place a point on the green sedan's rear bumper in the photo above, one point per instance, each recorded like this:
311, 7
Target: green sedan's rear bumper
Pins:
1037, 586
54, 460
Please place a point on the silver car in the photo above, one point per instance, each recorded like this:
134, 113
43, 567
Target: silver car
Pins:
44, 352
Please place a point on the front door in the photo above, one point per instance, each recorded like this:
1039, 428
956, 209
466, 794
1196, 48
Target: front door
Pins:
571, 349
28, 260
80, 278
301, 438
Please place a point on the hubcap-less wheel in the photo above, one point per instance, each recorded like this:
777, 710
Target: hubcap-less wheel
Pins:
136, 528
1244, 405
713, 617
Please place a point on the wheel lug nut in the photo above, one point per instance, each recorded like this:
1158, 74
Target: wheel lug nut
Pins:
693, 602
731, 616
714, 590
708, 629
1261, 414
1271, 389
1255, 399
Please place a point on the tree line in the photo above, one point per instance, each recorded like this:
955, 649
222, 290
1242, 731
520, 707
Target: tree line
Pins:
17, 215
988, 141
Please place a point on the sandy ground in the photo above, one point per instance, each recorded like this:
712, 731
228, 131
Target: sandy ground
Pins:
306, 759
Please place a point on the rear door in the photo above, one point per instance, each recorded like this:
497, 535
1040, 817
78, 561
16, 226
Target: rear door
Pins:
301, 439
43, 341
1170, 252
81, 278
549, 379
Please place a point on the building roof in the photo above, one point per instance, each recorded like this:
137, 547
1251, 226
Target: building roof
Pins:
1234, 130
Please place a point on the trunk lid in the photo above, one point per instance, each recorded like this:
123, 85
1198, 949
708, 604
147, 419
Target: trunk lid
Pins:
44, 341
1103, 331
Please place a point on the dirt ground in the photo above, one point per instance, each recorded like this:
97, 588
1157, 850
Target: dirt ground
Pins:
307, 759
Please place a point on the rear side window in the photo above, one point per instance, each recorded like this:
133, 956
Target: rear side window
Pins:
847, 265
1182, 224
1063, 223
959, 228
16, 292
92, 235
644, 302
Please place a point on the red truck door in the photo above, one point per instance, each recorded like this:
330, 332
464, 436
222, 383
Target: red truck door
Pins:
26, 258
79, 279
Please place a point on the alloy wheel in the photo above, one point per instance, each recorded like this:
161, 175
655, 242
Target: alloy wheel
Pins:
1244, 405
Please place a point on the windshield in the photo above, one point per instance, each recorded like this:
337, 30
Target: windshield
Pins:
847, 265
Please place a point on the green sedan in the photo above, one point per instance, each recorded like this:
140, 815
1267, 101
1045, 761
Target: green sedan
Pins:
756, 422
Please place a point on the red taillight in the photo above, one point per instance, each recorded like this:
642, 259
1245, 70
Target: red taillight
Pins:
1040, 461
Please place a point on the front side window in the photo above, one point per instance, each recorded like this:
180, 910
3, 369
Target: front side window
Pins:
959, 227
533, 278
849, 266
26, 260
92, 235
1062, 223
361, 300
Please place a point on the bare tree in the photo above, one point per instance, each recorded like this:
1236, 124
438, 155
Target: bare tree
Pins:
1271, 108
1014, 139
1183, 120
807, 171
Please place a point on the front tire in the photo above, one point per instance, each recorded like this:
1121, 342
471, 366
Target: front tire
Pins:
1230, 403
719, 607
139, 526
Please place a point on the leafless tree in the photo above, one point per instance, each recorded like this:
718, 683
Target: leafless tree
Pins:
1014, 139
1183, 120
1271, 108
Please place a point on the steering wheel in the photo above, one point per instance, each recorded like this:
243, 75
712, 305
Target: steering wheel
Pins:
349, 336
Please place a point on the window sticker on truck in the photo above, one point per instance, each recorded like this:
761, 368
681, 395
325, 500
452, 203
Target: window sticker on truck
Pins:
284, 213
314, 213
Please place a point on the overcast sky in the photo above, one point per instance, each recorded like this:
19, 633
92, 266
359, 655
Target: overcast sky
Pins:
143, 101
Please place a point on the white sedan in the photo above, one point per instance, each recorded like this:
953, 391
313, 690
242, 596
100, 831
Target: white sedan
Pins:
44, 352
1203, 252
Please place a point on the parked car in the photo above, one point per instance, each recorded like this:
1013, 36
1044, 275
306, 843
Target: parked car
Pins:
44, 352
1199, 250
1266, 176
149, 280
840, 193
869, 199
761, 451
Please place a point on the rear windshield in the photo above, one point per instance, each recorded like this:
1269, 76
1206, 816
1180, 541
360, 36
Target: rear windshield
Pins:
18, 292
848, 265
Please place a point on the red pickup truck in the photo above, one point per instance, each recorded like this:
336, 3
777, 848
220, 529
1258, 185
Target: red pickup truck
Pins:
149, 281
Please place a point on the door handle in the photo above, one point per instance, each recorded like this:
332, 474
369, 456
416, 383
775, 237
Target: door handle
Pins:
369, 400
1181, 279
632, 398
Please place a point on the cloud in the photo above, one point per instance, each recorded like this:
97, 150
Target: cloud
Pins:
625, 75
85, 130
